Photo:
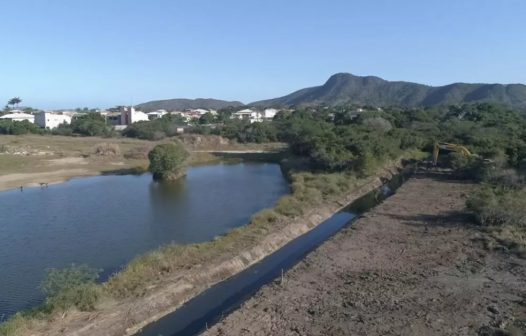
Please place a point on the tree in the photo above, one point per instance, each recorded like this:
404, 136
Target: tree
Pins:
14, 101
92, 124
207, 119
167, 160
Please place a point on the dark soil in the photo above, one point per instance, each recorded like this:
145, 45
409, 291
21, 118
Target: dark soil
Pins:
415, 265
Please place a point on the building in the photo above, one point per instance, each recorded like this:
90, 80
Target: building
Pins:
113, 118
19, 116
248, 114
51, 120
270, 113
156, 114
130, 116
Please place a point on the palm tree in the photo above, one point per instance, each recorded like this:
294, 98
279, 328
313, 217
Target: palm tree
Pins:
14, 101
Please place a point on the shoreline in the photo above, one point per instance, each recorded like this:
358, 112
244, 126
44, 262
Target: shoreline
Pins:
13, 181
129, 315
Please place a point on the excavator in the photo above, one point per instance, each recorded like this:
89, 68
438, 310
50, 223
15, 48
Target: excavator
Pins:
451, 148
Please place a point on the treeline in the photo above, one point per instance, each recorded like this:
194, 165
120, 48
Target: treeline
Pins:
344, 138
90, 124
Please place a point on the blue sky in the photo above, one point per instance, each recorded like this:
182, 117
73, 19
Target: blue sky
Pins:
100, 53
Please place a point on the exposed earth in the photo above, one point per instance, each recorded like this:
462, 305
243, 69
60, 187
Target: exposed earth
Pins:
415, 265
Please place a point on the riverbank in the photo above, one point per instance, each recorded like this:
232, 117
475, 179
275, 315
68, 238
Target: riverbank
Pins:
33, 160
414, 265
156, 284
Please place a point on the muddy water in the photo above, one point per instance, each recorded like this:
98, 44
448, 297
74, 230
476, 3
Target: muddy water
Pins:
105, 221
210, 306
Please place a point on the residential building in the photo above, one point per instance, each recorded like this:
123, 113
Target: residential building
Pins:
130, 116
268, 114
51, 120
156, 114
248, 114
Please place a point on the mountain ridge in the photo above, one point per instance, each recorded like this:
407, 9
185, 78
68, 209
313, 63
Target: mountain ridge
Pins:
342, 88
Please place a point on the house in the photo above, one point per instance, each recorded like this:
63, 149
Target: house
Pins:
51, 120
248, 114
156, 114
199, 111
268, 114
19, 116
130, 116
113, 118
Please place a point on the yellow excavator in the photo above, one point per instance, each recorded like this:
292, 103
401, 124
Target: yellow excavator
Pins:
451, 148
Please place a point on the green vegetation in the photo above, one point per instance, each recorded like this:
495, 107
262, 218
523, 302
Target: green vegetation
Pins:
71, 287
333, 151
90, 124
343, 87
166, 161
14, 101
18, 127
156, 129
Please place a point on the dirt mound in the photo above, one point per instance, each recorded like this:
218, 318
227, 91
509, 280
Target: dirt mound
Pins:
197, 141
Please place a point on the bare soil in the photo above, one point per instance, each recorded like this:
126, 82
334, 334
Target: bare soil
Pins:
32, 160
415, 265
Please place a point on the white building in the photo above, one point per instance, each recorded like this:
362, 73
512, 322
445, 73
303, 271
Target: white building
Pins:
247, 114
270, 113
156, 114
200, 111
19, 116
51, 120
130, 116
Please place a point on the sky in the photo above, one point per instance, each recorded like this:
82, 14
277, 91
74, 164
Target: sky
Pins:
101, 53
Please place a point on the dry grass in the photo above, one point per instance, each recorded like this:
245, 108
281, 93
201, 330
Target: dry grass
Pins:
107, 149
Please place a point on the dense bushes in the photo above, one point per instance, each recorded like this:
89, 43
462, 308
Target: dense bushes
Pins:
499, 206
156, 129
18, 127
73, 286
166, 161
89, 124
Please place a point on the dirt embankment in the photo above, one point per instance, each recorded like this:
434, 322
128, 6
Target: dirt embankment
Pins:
412, 266
128, 316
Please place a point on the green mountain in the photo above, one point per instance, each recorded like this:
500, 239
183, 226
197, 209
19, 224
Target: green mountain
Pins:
345, 88
183, 104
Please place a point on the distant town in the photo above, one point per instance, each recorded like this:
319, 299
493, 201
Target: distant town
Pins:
122, 116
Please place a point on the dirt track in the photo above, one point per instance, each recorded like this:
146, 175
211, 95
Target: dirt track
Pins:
413, 266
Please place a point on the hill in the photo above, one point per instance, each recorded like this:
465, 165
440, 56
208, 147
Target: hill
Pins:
345, 88
182, 104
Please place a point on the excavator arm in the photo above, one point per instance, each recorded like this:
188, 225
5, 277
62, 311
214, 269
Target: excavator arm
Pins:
449, 147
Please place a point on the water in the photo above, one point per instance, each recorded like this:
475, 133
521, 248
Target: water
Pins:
219, 300
105, 221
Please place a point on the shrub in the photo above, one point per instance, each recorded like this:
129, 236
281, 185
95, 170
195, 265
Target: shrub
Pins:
90, 124
107, 149
468, 167
289, 206
166, 161
264, 217
73, 286
505, 178
494, 206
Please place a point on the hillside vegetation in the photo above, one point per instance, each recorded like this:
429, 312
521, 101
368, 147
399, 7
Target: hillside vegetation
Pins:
345, 88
